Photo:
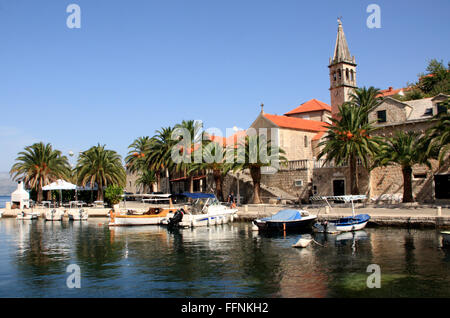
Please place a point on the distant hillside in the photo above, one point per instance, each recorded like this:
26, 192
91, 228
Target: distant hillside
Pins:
7, 186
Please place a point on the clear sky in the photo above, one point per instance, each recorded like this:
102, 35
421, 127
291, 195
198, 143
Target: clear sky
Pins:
137, 65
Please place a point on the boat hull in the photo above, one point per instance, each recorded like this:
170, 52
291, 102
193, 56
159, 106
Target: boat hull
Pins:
143, 219
446, 239
302, 225
197, 220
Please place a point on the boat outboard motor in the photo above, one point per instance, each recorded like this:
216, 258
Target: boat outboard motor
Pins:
176, 219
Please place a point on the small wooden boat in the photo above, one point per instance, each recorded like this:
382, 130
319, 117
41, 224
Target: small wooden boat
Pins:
302, 242
287, 220
80, 215
54, 215
27, 216
153, 216
446, 239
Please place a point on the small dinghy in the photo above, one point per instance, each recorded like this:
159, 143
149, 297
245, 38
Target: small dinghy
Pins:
26, 216
80, 215
287, 220
54, 215
302, 242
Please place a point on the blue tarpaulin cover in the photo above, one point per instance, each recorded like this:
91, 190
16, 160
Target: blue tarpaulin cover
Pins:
199, 195
284, 215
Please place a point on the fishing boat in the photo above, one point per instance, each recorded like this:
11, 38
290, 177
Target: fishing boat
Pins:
27, 216
446, 239
344, 224
78, 215
54, 215
287, 220
206, 210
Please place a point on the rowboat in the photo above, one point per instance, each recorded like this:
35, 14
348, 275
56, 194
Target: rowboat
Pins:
344, 224
287, 220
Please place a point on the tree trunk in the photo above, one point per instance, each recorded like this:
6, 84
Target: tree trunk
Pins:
39, 195
217, 174
407, 184
158, 181
353, 175
191, 184
255, 172
100, 191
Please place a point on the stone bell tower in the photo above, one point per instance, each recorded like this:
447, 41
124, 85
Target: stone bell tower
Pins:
342, 72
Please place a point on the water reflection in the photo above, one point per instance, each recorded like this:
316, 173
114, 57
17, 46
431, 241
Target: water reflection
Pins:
227, 260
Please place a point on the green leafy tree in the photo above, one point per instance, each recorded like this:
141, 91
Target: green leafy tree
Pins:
438, 135
349, 137
136, 158
146, 179
436, 80
113, 194
101, 166
39, 165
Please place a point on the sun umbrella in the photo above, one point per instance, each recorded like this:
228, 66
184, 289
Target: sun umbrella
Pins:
60, 185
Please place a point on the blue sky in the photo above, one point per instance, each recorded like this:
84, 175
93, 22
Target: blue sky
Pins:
135, 66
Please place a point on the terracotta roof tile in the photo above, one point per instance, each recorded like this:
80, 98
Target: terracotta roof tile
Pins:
310, 106
296, 123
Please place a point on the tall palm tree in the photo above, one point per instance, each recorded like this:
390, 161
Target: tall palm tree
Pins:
349, 136
252, 154
158, 155
405, 149
135, 160
194, 131
101, 166
39, 165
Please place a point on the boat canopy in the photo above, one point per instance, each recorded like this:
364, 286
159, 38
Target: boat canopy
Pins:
199, 195
285, 215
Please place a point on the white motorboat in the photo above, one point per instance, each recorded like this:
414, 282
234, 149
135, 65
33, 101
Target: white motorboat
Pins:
205, 211
446, 239
1, 212
54, 215
78, 215
27, 216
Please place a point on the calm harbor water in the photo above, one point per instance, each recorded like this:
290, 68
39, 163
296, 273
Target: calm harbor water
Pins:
223, 261
3, 200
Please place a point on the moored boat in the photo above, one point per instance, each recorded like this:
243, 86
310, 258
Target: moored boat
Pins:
206, 210
287, 220
54, 215
344, 224
27, 216
78, 215
153, 216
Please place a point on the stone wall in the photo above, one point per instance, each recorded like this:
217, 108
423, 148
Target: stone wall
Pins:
323, 179
285, 180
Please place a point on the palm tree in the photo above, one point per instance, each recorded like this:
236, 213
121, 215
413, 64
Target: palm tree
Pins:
405, 149
349, 136
194, 130
253, 153
438, 135
135, 160
146, 179
214, 160
158, 155
39, 165
101, 166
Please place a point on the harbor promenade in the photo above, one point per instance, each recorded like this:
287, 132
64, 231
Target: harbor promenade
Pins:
402, 215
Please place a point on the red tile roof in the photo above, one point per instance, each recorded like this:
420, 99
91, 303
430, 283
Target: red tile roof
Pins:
310, 106
390, 91
296, 123
318, 135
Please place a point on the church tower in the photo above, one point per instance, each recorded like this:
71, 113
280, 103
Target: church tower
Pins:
342, 72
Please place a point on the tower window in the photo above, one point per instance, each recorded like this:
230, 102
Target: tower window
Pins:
351, 75
334, 76
306, 141
346, 74
339, 73
381, 116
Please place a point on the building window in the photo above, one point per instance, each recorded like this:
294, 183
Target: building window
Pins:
346, 74
334, 76
428, 112
441, 108
339, 74
419, 175
351, 75
306, 141
381, 116
298, 183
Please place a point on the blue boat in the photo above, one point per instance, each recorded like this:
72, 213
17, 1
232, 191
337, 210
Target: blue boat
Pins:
287, 220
